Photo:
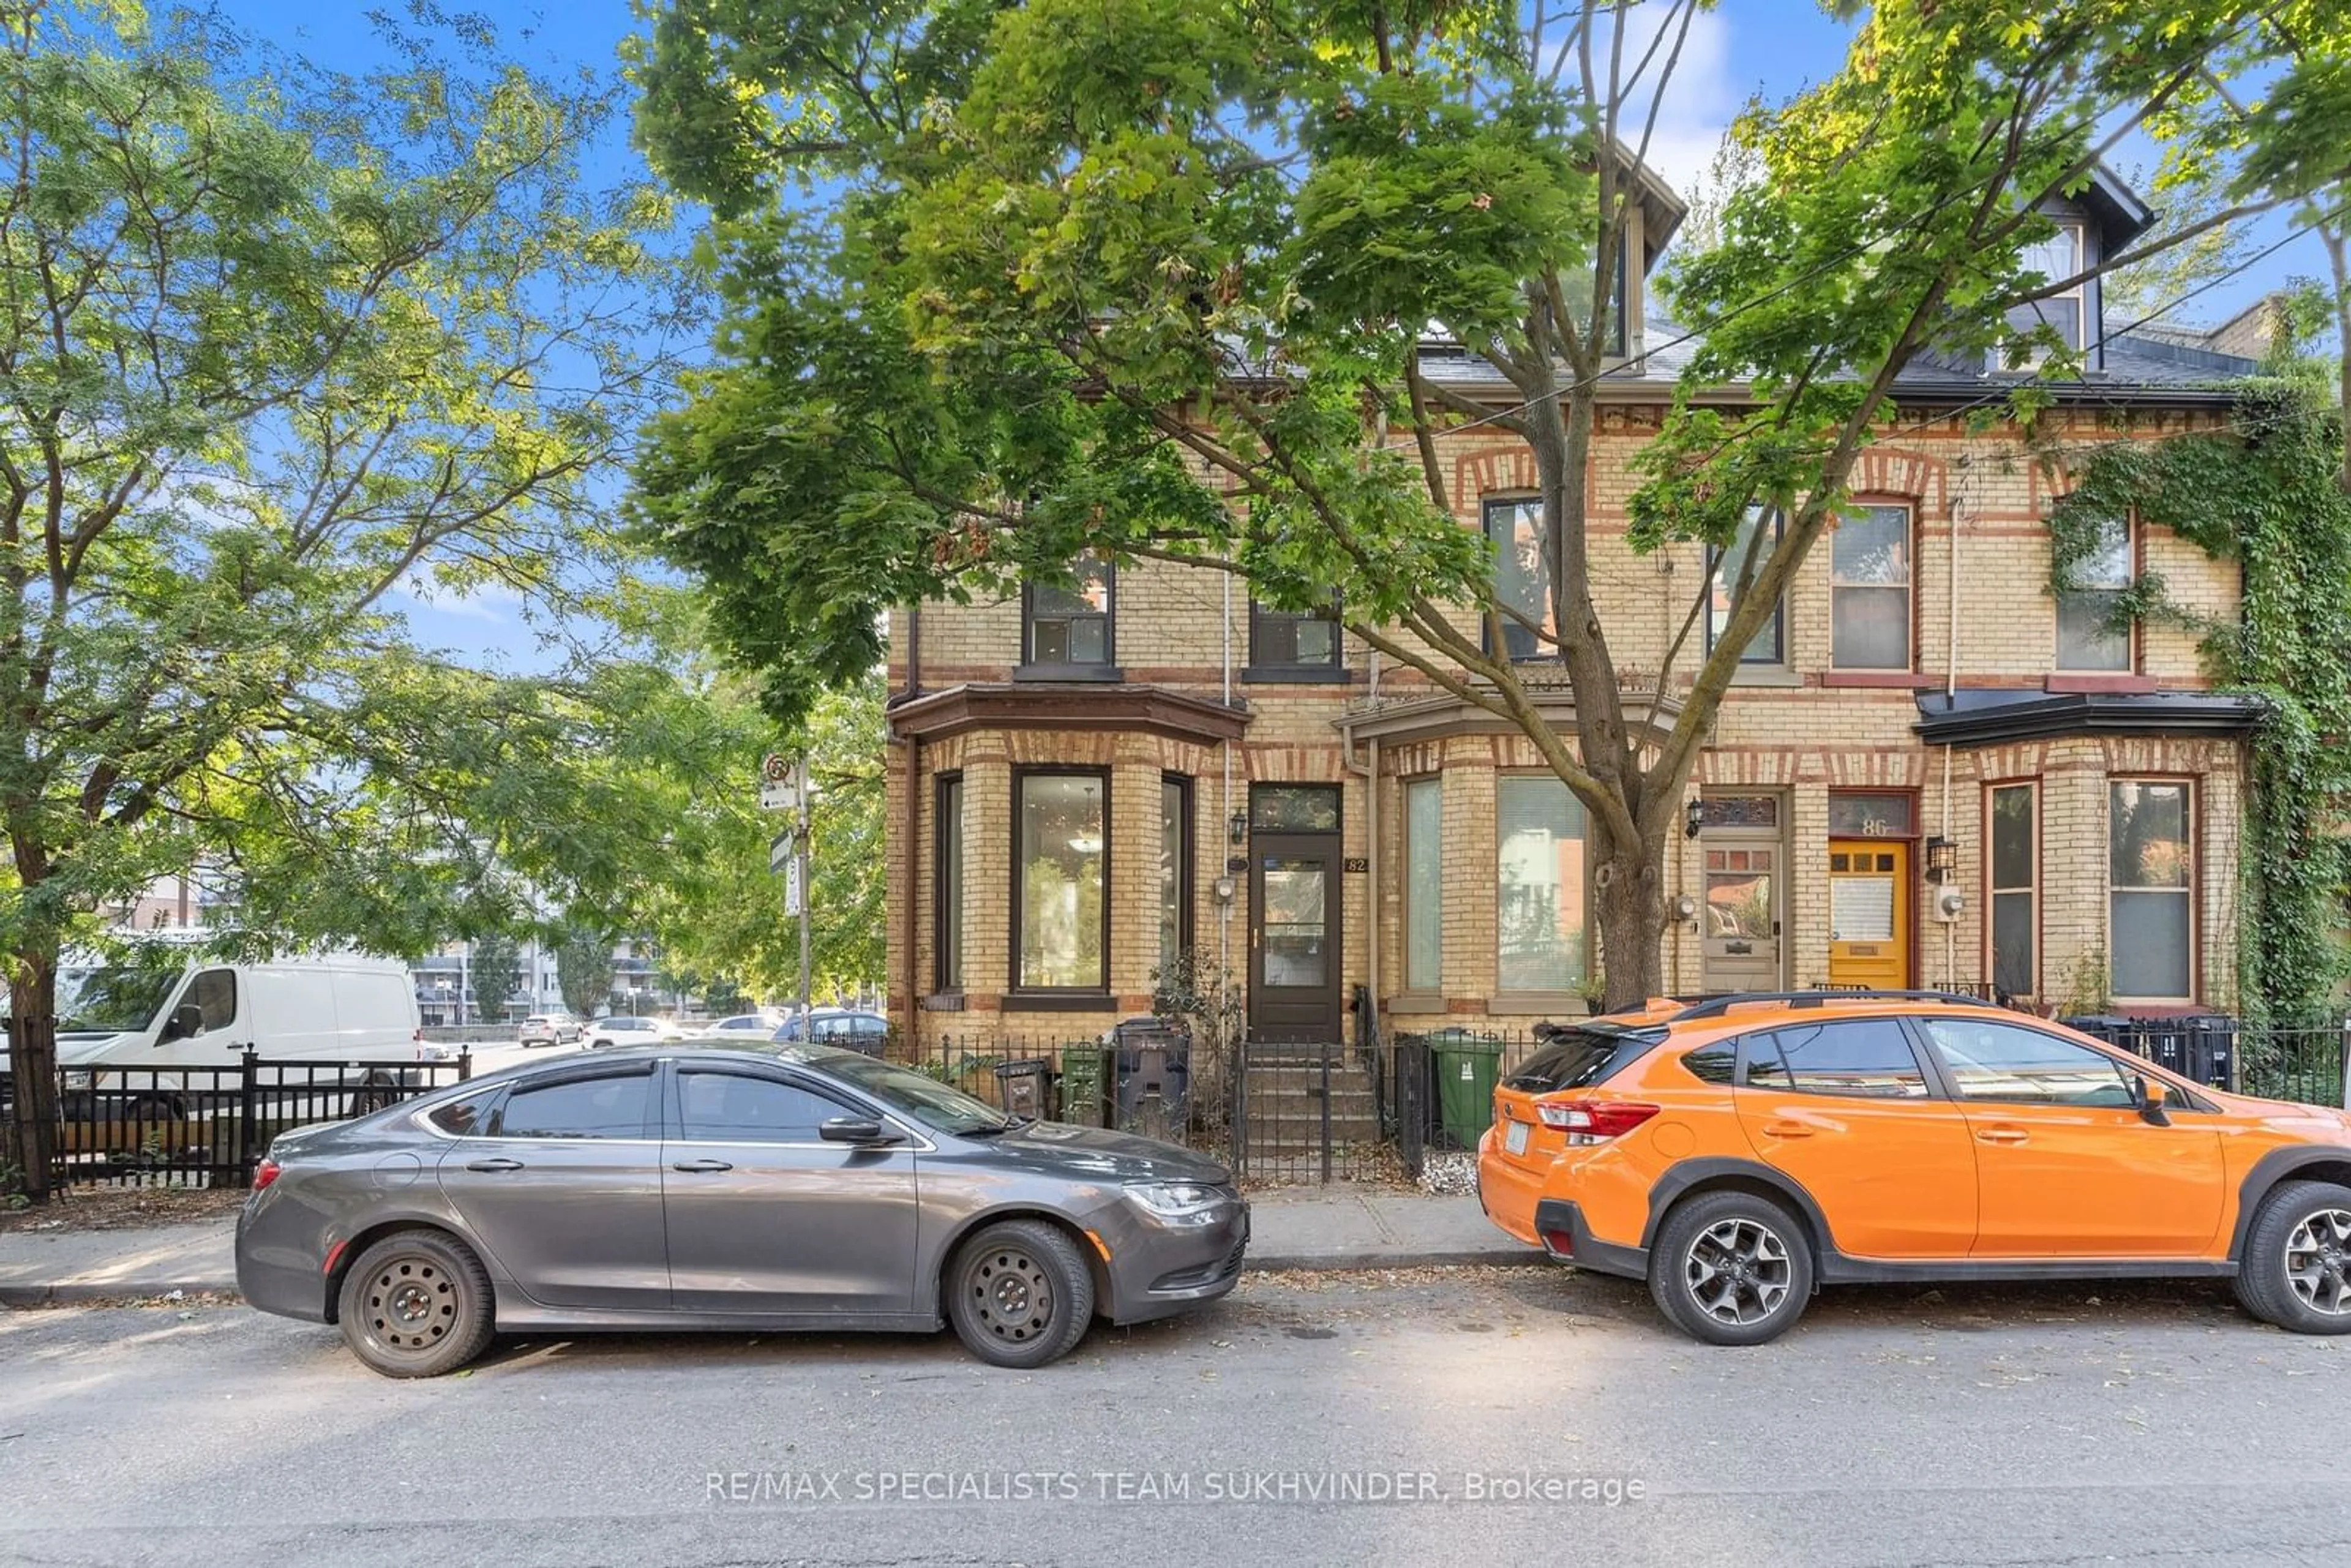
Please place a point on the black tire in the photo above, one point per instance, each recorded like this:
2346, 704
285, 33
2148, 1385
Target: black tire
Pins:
2295, 1269
416, 1305
1730, 1268
1020, 1294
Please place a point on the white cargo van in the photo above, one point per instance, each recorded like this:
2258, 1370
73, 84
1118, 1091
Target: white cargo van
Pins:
328, 1008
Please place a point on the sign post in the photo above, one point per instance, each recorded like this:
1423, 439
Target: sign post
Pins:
783, 787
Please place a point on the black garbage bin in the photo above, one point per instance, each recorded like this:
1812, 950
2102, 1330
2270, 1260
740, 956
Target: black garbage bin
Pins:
1154, 1069
2165, 1042
2212, 1050
1025, 1087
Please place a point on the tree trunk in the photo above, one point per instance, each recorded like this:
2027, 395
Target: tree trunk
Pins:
1629, 908
33, 1068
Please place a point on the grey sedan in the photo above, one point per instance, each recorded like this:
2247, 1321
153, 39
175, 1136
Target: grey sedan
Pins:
705, 1185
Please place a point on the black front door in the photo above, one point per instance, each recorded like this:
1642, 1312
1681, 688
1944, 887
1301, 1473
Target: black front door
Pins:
1294, 899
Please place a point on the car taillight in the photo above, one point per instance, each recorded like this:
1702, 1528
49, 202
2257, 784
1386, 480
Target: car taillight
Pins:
264, 1172
1593, 1121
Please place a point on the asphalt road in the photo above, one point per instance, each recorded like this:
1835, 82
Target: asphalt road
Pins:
2155, 1425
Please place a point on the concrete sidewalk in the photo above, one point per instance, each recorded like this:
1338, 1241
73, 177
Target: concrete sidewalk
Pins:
1320, 1229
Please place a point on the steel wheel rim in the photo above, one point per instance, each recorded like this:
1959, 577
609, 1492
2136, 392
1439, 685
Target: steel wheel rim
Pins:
1737, 1271
1010, 1294
413, 1304
2318, 1261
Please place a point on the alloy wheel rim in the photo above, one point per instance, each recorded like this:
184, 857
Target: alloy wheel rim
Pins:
1737, 1271
2318, 1261
1010, 1295
412, 1305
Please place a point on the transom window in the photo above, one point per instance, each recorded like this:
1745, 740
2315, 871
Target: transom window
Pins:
1069, 623
1731, 566
2087, 638
1869, 590
2151, 882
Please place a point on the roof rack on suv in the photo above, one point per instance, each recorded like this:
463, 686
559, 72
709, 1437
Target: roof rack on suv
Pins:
1715, 1006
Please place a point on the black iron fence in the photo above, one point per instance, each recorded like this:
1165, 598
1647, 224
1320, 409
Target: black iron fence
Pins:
208, 1125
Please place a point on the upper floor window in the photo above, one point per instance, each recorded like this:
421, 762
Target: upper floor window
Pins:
2087, 637
1522, 575
1725, 569
1069, 624
1869, 590
1300, 642
2056, 258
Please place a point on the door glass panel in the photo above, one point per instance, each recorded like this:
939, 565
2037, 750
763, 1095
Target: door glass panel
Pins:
1294, 940
2003, 1062
1861, 909
1867, 1059
1296, 809
1738, 904
585, 1108
727, 1107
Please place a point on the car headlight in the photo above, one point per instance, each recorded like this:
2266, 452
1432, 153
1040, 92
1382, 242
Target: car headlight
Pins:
1179, 1200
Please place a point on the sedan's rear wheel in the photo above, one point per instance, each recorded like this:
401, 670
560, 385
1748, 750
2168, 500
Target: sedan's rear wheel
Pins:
2295, 1270
416, 1305
1020, 1294
1731, 1268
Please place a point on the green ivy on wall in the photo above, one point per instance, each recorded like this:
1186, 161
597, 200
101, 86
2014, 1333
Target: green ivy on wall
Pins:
2263, 492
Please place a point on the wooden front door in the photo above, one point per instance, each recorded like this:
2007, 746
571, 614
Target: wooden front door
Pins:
1869, 913
1294, 937
1740, 916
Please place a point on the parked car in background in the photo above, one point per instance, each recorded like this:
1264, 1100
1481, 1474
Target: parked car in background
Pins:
1735, 1152
549, 1028
630, 1029
747, 1026
837, 1026
749, 1186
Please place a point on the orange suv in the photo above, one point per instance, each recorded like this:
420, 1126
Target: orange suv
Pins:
1737, 1152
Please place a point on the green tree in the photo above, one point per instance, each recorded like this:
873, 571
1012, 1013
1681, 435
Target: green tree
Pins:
279, 345
496, 974
583, 968
1004, 285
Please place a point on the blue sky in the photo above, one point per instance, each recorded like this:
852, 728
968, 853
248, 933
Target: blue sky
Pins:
1774, 48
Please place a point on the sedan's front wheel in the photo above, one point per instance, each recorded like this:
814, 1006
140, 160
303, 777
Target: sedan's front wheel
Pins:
1020, 1294
416, 1305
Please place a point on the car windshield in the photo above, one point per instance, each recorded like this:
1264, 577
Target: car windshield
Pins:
114, 1002
938, 1106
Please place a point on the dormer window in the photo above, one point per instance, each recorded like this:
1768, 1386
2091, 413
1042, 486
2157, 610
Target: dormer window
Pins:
2056, 258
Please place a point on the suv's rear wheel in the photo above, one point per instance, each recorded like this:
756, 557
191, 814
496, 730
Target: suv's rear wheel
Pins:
1730, 1268
2295, 1270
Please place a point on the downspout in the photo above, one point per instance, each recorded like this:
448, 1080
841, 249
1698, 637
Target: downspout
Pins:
1951, 700
1225, 812
914, 814
1369, 772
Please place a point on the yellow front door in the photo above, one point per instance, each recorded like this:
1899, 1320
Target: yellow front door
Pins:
1869, 913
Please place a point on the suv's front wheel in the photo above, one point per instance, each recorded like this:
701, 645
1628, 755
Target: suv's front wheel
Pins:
2295, 1270
1730, 1268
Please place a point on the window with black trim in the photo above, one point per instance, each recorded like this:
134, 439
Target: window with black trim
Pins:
1856, 1058
739, 1108
1061, 869
1174, 870
1522, 575
612, 1107
1068, 625
1727, 568
2006, 1061
947, 884
1301, 643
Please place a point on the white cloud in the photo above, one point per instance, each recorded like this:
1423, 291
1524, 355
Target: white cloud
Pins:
1700, 97
493, 603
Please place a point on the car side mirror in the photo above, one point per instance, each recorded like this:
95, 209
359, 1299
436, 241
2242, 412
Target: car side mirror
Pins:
2152, 1093
187, 1022
856, 1130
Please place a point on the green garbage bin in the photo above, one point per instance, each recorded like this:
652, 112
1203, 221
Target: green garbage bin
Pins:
1085, 1079
1468, 1068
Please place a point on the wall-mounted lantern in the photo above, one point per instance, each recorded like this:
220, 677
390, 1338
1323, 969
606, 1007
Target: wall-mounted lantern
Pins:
1693, 818
1942, 858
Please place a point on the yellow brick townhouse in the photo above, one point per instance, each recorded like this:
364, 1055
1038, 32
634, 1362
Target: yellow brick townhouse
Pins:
1931, 770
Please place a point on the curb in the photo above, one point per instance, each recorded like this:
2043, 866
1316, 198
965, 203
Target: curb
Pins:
1359, 1262
70, 1292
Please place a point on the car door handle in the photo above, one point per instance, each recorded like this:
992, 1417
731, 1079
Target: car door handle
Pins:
1787, 1129
2000, 1135
500, 1163
698, 1166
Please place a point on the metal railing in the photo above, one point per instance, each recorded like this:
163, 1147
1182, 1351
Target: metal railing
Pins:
207, 1125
